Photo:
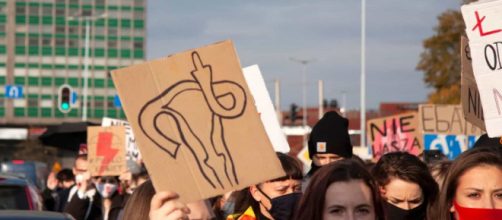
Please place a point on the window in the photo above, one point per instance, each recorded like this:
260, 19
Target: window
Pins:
20, 41
87, 12
138, 45
2, 27
73, 43
60, 42
33, 41
126, 44
110, 103
47, 11
76, 2
99, 103
32, 102
99, 30
72, 30
100, 2
138, 2
33, 10
60, 30
47, 29
138, 14
46, 41
20, 10
112, 44
112, 31
60, 1
99, 44
60, 12
33, 29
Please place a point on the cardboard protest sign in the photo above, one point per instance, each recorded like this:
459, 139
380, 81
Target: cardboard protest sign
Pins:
394, 133
106, 150
450, 145
471, 101
263, 103
445, 119
132, 151
195, 122
483, 22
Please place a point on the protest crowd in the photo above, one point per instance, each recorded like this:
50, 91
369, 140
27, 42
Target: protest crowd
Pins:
339, 185
207, 145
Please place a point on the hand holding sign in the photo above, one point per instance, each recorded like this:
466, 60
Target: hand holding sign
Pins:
195, 127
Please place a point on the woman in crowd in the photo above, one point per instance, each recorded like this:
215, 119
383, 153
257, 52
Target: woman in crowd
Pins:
406, 186
473, 187
342, 190
97, 198
274, 199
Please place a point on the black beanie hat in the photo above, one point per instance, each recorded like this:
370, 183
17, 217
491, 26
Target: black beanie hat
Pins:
330, 135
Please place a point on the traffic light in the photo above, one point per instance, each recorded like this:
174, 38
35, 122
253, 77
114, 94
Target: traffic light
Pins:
64, 98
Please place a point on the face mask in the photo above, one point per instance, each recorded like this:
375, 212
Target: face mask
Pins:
476, 213
79, 178
283, 206
106, 189
393, 212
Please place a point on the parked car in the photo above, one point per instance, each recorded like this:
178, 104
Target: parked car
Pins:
18, 193
33, 215
33, 171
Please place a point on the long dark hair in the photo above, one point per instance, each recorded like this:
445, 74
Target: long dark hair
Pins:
466, 161
312, 203
138, 205
291, 167
407, 167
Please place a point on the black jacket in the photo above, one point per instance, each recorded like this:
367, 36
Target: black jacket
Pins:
83, 209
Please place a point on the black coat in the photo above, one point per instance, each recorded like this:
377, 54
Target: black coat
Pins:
82, 209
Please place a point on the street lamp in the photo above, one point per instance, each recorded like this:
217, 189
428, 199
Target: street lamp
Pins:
304, 86
363, 73
304, 63
88, 20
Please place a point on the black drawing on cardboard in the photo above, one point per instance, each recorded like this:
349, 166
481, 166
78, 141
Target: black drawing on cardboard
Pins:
224, 100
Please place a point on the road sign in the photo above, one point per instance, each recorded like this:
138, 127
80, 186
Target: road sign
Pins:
116, 101
13, 91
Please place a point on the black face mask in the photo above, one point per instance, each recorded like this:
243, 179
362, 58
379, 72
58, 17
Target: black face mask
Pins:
283, 206
395, 213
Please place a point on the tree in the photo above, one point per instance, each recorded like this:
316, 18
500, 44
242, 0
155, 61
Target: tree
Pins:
440, 60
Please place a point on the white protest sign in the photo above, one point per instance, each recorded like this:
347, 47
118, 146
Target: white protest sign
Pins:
263, 103
483, 22
132, 151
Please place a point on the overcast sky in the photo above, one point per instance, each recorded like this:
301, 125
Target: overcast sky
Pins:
268, 33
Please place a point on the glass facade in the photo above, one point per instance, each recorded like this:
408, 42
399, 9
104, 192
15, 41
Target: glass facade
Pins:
47, 46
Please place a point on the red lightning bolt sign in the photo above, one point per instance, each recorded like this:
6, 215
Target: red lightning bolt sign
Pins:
104, 149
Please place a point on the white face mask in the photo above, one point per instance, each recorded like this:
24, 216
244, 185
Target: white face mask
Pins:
79, 178
106, 189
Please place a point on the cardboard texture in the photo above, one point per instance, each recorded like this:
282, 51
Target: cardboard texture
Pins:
445, 119
470, 99
394, 133
106, 150
132, 151
263, 103
195, 122
484, 29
